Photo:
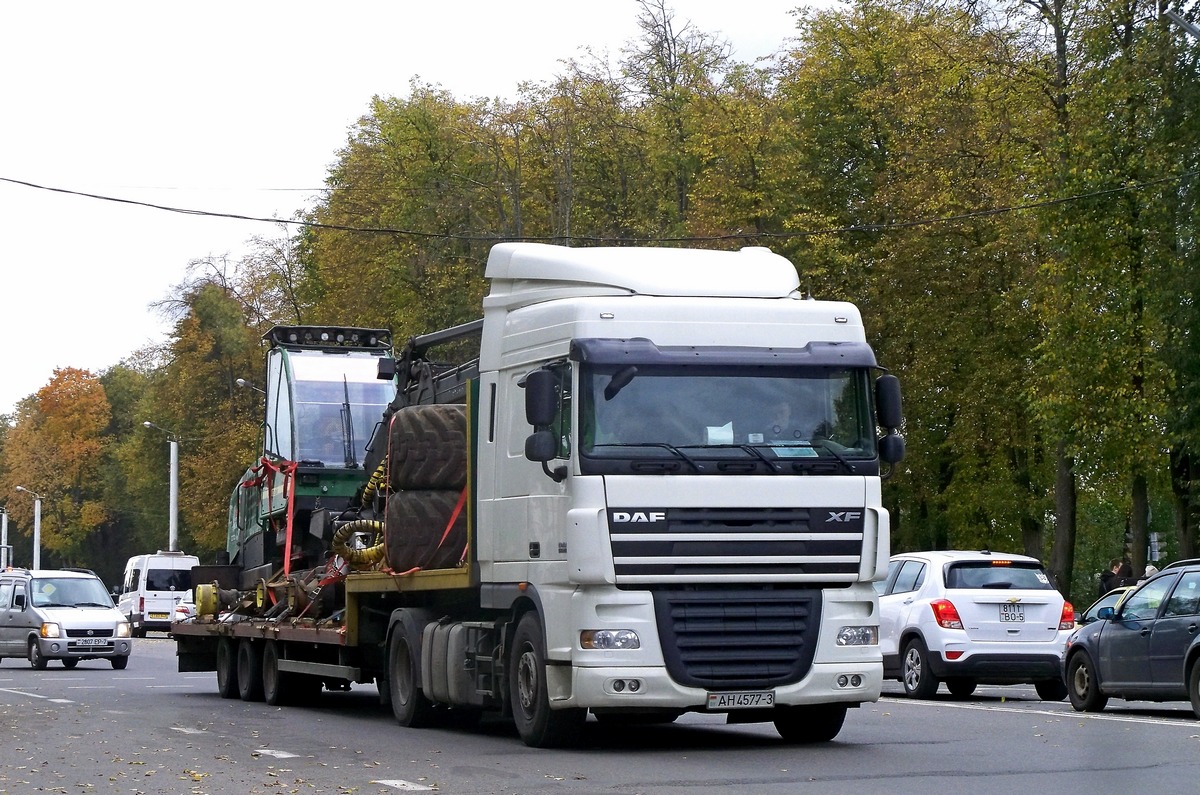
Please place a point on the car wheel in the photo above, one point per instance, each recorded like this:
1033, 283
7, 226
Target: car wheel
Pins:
1194, 687
36, 659
119, 663
1083, 688
1051, 689
919, 681
70, 662
814, 724
961, 686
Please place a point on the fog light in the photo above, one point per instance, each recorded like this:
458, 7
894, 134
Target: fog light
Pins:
858, 636
856, 681
634, 685
618, 685
843, 680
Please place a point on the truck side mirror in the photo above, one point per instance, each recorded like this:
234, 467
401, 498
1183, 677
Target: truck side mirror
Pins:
542, 445
19, 600
887, 401
541, 398
891, 448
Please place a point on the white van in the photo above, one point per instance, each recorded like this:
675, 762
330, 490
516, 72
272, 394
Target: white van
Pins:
151, 587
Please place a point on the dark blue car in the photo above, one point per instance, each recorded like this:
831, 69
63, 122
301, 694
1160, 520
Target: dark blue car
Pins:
1145, 649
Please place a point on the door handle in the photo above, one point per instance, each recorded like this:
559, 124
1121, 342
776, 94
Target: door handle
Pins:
1145, 631
1191, 629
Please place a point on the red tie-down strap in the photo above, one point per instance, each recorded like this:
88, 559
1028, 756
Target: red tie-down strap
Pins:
268, 469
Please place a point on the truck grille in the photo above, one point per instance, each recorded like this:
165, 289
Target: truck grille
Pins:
707, 545
738, 638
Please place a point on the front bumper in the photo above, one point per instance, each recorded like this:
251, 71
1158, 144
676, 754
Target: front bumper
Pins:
62, 648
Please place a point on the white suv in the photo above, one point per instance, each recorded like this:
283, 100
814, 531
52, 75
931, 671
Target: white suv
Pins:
971, 617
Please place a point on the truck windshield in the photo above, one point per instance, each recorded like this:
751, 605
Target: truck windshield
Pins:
757, 412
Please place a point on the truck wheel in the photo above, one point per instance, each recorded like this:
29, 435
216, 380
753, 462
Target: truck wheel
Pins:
276, 684
919, 681
249, 671
538, 725
1082, 686
119, 663
409, 704
819, 723
226, 669
36, 659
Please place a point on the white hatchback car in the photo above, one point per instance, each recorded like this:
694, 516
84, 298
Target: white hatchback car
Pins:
966, 618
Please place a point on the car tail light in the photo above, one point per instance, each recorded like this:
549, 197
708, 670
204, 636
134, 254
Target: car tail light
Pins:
946, 614
1067, 620
141, 604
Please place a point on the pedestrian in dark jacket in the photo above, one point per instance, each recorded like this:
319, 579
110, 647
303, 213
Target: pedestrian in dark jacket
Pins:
1111, 578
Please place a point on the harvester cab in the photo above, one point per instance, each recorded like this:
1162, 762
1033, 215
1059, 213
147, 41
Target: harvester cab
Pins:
326, 389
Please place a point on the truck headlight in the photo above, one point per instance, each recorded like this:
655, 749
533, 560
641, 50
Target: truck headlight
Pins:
122, 629
858, 636
51, 630
616, 639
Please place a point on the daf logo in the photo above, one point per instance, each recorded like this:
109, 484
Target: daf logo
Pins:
843, 516
622, 517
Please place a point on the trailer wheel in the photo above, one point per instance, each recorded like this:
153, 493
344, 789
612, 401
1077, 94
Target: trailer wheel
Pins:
249, 671
819, 723
538, 725
226, 669
409, 704
276, 684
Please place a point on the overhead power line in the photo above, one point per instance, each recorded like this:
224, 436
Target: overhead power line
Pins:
870, 228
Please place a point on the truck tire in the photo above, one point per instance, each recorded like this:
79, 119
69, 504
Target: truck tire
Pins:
428, 448
276, 685
409, 703
226, 669
249, 671
538, 724
819, 723
415, 526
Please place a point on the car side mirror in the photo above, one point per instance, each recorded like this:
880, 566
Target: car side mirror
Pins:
1105, 613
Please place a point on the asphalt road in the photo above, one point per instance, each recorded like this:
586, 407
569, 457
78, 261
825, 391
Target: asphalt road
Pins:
149, 729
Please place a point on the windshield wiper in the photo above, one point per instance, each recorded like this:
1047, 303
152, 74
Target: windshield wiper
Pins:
820, 444
675, 451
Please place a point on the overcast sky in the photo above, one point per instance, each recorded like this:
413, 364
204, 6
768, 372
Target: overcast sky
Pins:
236, 107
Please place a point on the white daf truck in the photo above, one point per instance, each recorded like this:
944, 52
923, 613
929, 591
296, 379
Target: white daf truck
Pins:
656, 490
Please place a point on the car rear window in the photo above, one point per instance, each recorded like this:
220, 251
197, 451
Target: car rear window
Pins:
997, 574
168, 579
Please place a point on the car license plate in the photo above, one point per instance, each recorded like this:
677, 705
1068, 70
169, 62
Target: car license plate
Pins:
742, 699
92, 641
158, 616
1012, 612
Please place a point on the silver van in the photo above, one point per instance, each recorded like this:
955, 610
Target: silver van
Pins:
60, 615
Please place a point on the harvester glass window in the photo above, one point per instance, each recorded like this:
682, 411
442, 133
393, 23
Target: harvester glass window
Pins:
562, 421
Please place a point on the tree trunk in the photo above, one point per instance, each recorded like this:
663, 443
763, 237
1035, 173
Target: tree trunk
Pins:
1062, 551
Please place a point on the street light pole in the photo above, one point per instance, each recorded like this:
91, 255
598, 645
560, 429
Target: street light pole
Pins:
37, 526
173, 520
4, 556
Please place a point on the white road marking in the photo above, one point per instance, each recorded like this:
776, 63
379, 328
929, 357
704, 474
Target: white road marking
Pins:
37, 695
1052, 713
276, 754
188, 730
407, 786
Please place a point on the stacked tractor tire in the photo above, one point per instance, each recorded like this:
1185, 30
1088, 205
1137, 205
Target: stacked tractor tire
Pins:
426, 525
